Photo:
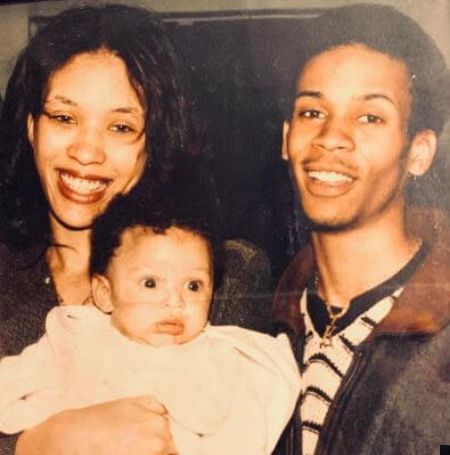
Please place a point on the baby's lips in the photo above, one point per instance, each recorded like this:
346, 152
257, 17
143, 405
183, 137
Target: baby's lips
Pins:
170, 327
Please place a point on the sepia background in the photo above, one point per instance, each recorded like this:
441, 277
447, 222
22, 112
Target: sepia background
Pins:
234, 55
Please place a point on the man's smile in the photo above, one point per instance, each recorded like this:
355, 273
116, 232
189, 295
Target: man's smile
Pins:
329, 177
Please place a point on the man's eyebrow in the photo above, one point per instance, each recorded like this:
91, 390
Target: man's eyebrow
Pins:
309, 93
374, 96
368, 97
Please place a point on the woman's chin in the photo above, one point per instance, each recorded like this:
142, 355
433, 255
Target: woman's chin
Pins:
72, 221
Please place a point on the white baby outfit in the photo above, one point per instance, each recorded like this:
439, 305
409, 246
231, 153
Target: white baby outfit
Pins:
230, 391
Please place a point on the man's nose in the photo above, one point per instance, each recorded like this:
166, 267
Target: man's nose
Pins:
334, 135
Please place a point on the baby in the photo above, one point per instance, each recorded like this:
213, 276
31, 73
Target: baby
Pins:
227, 390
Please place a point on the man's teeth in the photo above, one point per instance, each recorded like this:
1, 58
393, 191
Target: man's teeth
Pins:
82, 186
329, 177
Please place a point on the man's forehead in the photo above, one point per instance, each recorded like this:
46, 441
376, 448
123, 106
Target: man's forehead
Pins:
346, 63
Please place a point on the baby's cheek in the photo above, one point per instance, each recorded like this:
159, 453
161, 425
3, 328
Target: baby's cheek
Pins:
138, 319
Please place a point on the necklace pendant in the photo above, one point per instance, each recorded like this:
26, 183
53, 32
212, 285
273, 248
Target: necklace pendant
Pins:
326, 342
327, 336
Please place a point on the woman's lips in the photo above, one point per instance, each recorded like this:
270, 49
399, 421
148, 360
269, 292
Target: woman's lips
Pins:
170, 327
81, 189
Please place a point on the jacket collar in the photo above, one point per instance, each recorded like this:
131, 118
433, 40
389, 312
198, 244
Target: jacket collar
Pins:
423, 305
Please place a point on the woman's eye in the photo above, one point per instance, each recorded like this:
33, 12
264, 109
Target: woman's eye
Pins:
194, 286
122, 128
149, 283
370, 118
60, 118
312, 114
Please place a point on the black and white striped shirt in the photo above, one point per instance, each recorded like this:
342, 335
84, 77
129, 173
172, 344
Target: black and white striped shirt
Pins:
324, 367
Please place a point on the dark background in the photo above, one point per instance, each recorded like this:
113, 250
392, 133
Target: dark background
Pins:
238, 70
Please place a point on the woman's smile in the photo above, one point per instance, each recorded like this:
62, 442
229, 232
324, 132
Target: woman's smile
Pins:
88, 143
82, 189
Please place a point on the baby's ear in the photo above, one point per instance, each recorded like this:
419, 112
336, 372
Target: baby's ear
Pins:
101, 293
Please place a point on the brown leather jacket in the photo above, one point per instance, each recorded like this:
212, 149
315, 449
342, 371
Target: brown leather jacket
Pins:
395, 397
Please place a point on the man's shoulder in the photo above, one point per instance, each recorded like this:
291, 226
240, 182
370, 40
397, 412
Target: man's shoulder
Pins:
285, 306
298, 271
430, 224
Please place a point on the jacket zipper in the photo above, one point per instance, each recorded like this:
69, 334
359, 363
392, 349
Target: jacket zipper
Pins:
338, 405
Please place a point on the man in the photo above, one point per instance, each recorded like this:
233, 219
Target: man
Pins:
367, 302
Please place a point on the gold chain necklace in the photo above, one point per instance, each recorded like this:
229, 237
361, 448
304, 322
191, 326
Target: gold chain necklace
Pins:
334, 314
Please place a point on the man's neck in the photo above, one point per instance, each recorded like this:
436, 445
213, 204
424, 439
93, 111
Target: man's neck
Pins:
352, 261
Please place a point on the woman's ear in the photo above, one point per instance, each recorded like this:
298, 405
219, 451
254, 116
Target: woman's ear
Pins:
421, 152
30, 128
284, 150
101, 293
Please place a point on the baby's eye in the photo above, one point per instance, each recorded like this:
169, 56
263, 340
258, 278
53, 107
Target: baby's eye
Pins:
194, 285
149, 283
312, 114
370, 118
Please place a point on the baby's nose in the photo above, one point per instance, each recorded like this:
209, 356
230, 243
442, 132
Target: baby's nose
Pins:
174, 299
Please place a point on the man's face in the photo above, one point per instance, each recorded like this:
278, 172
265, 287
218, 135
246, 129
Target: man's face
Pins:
347, 139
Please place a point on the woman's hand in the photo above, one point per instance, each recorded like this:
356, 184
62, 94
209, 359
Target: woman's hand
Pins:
137, 426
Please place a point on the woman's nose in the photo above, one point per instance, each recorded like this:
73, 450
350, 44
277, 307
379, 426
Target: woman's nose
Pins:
88, 147
334, 135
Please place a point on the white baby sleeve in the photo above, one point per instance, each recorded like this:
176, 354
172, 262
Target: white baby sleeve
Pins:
269, 367
28, 391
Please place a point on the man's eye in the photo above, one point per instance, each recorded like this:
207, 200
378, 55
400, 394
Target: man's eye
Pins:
370, 118
149, 283
194, 286
312, 113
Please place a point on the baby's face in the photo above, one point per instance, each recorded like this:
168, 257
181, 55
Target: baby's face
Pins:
160, 286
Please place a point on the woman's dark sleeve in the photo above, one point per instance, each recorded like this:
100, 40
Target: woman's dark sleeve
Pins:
245, 293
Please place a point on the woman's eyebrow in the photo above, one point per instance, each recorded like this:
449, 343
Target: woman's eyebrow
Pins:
128, 110
62, 99
309, 93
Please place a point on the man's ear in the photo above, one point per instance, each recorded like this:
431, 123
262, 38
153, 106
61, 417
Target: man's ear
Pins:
421, 152
101, 293
284, 150
30, 128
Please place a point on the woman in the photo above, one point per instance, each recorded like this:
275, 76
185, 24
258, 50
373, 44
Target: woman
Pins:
94, 108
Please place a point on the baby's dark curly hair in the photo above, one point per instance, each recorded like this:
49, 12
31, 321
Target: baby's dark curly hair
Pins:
157, 212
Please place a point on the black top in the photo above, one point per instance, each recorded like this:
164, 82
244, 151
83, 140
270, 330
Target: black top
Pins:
317, 309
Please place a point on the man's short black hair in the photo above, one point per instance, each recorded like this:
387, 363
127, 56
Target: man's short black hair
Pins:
157, 213
386, 30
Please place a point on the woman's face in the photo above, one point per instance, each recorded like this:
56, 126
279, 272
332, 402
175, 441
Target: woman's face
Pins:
89, 141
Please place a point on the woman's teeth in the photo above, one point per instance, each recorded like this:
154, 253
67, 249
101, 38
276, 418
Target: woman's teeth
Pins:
329, 177
82, 185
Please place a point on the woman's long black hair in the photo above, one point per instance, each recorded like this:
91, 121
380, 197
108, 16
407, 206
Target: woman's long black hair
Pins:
139, 39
